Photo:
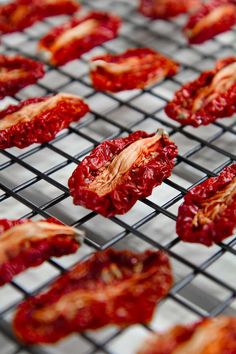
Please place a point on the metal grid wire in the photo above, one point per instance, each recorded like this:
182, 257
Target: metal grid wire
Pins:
33, 181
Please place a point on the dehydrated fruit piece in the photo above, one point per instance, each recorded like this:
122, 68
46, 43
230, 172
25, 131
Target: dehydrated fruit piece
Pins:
119, 172
136, 68
38, 120
25, 243
208, 214
17, 72
212, 18
20, 14
208, 336
167, 8
111, 287
212, 95
71, 40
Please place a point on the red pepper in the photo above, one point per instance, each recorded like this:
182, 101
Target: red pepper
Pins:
212, 95
71, 40
17, 72
136, 68
20, 14
208, 214
38, 120
111, 287
208, 336
25, 243
166, 8
212, 18
119, 172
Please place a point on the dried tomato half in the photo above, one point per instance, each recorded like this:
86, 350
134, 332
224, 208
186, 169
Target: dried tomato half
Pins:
17, 72
71, 40
38, 120
208, 214
20, 14
119, 172
167, 8
212, 95
212, 18
136, 68
111, 287
208, 336
25, 243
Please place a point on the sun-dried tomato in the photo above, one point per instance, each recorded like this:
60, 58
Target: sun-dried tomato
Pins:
119, 172
25, 243
136, 68
20, 14
111, 287
208, 336
71, 40
167, 8
38, 120
212, 18
208, 214
212, 95
17, 72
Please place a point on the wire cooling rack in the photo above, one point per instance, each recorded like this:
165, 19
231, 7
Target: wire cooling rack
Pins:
33, 181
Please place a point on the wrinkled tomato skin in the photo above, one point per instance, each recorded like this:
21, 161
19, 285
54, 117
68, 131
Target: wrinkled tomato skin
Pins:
126, 194
34, 69
134, 79
210, 31
167, 9
42, 128
108, 29
36, 11
221, 107
39, 251
142, 291
217, 230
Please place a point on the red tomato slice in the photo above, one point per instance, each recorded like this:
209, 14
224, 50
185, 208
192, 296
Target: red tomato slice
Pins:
167, 8
208, 213
119, 172
212, 18
38, 120
20, 14
17, 72
136, 68
109, 288
212, 95
71, 40
25, 243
